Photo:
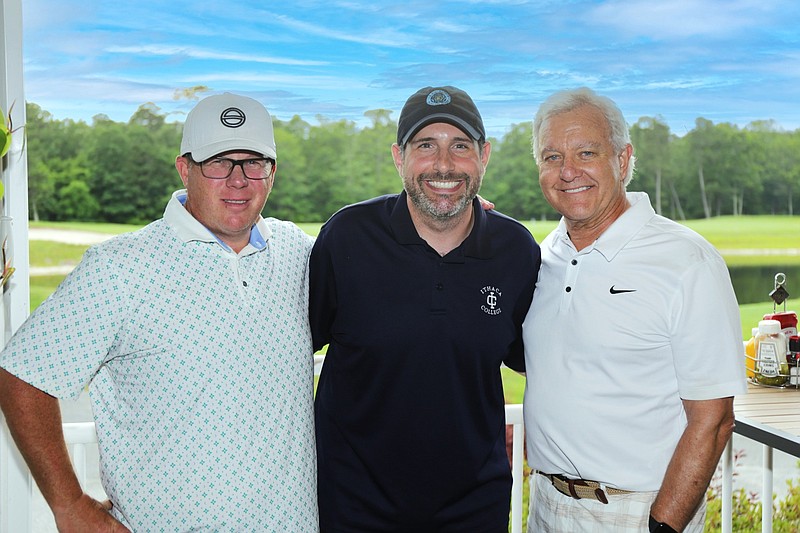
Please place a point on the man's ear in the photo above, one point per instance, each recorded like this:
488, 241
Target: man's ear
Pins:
397, 157
182, 166
625, 160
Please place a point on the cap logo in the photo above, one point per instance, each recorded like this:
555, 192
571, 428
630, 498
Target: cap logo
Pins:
438, 97
233, 117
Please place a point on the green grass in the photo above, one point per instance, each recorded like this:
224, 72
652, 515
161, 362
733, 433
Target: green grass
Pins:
765, 231
726, 233
49, 253
312, 228
732, 233
540, 228
757, 260
756, 232
42, 287
514, 384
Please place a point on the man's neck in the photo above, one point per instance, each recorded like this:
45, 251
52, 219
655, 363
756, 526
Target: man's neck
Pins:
584, 233
443, 235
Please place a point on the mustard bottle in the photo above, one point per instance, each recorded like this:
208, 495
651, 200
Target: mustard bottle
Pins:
750, 355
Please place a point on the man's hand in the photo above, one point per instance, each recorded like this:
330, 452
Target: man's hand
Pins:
34, 418
709, 427
485, 204
88, 514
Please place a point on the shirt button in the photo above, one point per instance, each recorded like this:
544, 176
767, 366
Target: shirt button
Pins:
574, 261
244, 283
569, 289
439, 286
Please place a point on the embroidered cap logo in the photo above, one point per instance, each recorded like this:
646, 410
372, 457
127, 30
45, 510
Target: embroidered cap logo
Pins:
438, 97
233, 117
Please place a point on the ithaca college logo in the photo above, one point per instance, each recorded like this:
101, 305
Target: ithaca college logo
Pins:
491, 300
233, 117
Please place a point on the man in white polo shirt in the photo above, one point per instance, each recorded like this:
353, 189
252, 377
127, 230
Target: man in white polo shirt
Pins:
192, 336
633, 343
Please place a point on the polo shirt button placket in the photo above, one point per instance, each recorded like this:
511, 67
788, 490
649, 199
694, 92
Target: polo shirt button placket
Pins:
571, 276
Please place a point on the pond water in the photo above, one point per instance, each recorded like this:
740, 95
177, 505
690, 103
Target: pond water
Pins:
754, 283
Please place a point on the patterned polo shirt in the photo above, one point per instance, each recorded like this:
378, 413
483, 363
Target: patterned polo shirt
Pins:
200, 371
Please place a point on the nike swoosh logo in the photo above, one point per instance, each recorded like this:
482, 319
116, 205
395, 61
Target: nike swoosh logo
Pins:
612, 290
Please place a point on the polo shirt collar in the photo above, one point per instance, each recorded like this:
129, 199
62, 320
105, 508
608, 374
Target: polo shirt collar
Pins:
189, 228
477, 244
622, 230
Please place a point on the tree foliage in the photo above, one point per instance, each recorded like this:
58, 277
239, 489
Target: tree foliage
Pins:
125, 172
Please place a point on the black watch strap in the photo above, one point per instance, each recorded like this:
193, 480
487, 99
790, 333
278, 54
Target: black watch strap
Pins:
660, 527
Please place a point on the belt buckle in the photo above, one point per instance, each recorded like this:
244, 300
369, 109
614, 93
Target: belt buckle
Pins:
598, 492
600, 495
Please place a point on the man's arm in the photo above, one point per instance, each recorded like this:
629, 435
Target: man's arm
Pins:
710, 425
34, 419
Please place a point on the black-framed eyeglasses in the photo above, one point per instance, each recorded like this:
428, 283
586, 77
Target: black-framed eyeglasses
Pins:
220, 168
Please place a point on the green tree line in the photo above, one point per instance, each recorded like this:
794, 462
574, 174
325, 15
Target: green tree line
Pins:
124, 172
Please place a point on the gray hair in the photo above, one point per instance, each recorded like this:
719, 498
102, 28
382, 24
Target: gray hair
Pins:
567, 100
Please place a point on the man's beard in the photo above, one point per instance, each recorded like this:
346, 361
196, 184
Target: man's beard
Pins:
441, 207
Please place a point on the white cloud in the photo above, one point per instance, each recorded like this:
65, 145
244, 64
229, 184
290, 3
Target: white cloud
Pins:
198, 53
678, 59
671, 20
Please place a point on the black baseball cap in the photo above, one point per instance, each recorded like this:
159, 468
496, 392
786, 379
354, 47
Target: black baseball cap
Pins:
439, 104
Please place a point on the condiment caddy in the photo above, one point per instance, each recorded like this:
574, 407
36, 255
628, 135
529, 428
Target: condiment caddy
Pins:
773, 351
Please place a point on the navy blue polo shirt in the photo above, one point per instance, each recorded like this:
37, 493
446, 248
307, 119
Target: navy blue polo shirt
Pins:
409, 407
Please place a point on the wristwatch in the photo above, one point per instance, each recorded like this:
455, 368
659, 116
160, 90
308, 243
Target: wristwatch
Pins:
659, 527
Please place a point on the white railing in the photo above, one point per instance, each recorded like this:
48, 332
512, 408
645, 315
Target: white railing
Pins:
514, 419
767, 487
81, 435
15, 509
81, 438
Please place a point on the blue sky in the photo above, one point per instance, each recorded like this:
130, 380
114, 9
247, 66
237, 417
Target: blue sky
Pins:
727, 61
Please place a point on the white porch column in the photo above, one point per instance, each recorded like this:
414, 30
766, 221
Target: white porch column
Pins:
15, 486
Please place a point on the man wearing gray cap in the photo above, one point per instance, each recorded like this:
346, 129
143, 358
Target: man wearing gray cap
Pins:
420, 297
192, 336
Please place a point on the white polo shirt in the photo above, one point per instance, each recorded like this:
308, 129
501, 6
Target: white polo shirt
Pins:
200, 371
616, 336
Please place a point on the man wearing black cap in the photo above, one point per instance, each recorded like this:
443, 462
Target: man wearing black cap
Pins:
420, 297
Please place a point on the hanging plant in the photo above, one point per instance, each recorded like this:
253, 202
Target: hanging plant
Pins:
7, 268
6, 129
5, 142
